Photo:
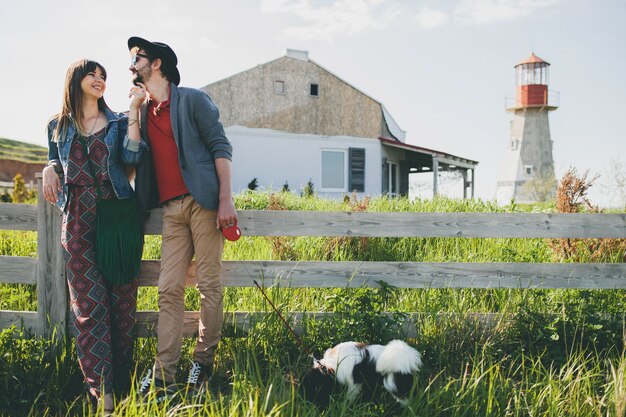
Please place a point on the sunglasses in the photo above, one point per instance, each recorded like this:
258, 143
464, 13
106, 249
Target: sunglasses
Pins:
136, 57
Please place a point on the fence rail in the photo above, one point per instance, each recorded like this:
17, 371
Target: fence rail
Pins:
47, 271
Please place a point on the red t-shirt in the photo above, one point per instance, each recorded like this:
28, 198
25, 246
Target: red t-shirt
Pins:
164, 151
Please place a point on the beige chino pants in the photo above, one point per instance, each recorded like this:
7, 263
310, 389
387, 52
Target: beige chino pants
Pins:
188, 229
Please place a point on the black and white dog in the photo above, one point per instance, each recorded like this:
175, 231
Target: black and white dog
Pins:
364, 370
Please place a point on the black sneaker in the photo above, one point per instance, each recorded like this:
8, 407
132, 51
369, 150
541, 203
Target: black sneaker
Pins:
154, 389
199, 376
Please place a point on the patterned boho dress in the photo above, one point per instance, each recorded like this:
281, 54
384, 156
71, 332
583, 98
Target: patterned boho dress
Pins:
104, 315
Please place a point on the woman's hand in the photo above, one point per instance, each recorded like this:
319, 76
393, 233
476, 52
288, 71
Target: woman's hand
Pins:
51, 184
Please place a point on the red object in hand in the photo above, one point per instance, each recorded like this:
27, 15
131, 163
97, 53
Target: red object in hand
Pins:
232, 232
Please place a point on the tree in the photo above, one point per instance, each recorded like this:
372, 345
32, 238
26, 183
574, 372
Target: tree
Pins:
309, 189
254, 184
615, 184
20, 192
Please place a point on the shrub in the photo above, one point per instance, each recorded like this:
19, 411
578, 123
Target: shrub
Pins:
572, 198
6, 197
309, 189
282, 246
20, 192
362, 314
254, 184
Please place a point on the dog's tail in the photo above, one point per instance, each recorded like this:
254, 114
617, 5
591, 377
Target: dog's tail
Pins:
397, 363
398, 357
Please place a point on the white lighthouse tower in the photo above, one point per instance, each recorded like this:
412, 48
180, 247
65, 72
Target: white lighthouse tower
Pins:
527, 173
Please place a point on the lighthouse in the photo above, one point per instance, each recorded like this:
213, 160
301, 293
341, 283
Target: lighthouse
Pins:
527, 173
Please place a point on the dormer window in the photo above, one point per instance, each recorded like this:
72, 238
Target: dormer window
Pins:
314, 90
279, 87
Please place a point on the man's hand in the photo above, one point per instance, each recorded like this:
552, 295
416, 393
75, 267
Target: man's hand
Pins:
137, 95
226, 214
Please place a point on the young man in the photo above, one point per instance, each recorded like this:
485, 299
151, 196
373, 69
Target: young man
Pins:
189, 175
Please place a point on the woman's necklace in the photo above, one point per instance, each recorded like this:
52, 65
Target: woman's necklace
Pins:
86, 138
94, 124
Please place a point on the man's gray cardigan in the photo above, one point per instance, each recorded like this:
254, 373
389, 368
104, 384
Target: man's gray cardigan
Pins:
200, 140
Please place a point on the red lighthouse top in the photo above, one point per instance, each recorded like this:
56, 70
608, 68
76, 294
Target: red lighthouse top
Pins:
533, 59
531, 80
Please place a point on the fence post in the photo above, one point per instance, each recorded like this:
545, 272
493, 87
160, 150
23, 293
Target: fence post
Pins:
51, 283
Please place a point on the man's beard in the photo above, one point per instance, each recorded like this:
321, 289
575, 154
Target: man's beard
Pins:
141, 78
138, 78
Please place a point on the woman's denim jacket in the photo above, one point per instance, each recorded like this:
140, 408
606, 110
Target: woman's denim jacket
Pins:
121, 150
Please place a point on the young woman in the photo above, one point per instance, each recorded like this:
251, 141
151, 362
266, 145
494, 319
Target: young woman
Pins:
89, 145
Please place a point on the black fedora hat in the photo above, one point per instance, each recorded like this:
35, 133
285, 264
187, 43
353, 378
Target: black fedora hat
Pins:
159, 50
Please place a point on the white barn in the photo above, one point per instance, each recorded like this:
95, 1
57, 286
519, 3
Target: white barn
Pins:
291, 121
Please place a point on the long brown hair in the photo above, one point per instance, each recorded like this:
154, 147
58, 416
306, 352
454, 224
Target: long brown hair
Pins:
72, 108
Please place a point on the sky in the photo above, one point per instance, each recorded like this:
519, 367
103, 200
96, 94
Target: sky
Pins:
442, 68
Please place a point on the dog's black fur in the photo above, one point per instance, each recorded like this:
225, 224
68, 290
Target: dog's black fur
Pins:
318, 387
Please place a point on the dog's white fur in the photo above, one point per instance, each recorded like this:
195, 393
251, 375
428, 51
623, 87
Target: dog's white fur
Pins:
393, 358
397, 356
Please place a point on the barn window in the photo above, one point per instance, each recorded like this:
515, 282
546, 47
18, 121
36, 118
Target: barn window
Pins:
279, 87
334, 170
314, 90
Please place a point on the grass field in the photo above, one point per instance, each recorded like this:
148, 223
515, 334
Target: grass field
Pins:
22, 151
542, 352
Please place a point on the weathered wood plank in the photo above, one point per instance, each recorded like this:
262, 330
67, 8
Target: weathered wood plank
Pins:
29, 320
428, 275
411, 274
18, 270
509, 225
390, 224
18, 216
51, 284
238, 322
241, 322
357, 224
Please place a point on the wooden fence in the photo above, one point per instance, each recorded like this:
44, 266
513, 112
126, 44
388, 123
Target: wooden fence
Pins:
47, 270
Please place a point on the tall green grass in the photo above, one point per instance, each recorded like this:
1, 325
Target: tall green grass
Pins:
537, 353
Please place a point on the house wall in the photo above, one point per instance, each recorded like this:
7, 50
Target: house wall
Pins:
393, 154
248, 99
274, 157
398, 156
